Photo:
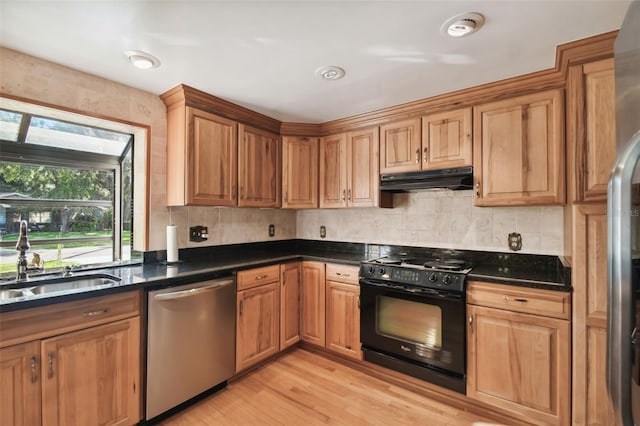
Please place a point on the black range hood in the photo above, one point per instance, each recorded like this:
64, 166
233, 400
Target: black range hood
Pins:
456, 179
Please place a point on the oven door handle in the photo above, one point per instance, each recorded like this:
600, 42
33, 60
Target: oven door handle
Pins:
413, 290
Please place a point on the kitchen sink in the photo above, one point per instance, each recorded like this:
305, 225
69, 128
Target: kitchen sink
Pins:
56, 285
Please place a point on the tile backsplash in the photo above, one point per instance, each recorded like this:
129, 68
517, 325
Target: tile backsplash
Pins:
442, 218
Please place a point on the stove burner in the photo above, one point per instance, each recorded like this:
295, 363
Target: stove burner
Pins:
446, 264
392, 260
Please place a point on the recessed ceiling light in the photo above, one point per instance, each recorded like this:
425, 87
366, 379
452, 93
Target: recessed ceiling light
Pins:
330, 73
462, 25
142, 60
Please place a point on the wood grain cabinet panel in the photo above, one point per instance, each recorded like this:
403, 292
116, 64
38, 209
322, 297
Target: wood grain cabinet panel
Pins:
589, 281
201, 158
300, 172
290, 304
401, 147
259, 168
20, 383
349, 169
343, 311
257, 324
91, 377
519, 149
446, 139
591, 131
312, 303
520, 362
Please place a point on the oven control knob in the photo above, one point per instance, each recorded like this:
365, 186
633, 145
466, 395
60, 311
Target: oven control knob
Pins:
371, 269
381, 271
446, 280
433, 277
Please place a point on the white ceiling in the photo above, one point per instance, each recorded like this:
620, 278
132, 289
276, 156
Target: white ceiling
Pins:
263, 54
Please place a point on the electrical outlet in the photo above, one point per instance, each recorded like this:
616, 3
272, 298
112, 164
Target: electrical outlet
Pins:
198, 234
272, 230
515, 241
323, 231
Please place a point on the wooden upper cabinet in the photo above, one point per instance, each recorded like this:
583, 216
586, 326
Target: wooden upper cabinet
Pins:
201, 158
518, 150
443, 141
446, 139
259, 168
333, 171
363, 175
299, 172
400, 147
591, 129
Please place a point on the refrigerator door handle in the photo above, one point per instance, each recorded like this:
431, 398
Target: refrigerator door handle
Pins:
620, 318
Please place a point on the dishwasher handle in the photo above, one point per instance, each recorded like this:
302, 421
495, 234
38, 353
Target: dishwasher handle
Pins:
190, 292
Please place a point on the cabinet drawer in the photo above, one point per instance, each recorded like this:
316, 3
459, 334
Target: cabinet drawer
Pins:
258, 276
548, 303
342, 273
46, 321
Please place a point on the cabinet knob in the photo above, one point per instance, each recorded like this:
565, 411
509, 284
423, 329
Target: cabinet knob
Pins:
349, 195
471, 323
425, 155
417, 155
477, 189
50, 362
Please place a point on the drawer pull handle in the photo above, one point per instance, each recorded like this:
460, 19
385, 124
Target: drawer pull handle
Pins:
340, 274
417, 155
261, 277
95, 313
471, 322
50, 362
515, 299
241, 306
34, 370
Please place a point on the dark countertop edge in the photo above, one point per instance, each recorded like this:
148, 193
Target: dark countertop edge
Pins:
193, 272
543, 285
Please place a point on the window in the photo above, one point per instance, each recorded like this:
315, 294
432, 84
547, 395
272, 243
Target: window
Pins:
72, 183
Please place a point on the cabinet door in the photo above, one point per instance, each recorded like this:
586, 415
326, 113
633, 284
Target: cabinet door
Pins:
400, 147
518, 150
447, 140
290, 304
20, 385
300, 172
333, 171
257, 325
211, 160
519, 362
80, 383
589, 281
259, 168
343, 319
363, 165
312, 303
591, 129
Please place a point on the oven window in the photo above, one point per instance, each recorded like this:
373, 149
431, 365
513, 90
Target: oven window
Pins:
413, 322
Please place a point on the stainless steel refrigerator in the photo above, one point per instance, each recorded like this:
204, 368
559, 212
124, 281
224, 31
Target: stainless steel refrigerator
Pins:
623, 322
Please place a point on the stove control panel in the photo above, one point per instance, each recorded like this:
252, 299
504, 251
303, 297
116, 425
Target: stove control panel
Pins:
420, 277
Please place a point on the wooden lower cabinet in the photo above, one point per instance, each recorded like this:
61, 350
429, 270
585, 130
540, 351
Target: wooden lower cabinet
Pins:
20, 382
520, 362
290, 304
312, 303
90, 377
589, 280
343, 319
72, 363
257, 324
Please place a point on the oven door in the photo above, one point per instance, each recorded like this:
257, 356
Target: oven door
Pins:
427, 326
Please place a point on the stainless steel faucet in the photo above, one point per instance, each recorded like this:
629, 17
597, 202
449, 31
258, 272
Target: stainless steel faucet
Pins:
22, 246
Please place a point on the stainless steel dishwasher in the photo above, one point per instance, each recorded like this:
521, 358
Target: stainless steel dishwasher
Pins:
190, 342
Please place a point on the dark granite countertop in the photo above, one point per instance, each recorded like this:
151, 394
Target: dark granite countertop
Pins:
215, 262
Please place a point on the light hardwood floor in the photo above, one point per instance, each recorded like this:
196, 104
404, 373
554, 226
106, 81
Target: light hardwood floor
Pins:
303, 388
